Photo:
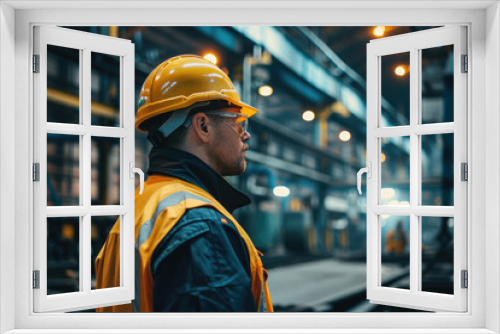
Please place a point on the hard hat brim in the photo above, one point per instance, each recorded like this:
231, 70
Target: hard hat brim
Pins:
155, 109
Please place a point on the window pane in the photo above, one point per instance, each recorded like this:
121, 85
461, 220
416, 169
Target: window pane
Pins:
63, 170
63, 255
437, 169
437, 254
105, 171
63, 85
105, 89
395, 171
395, 72
395, 255
100, 227
437, 84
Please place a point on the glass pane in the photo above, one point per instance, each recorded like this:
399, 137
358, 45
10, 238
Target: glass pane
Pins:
63, 255
395, 171
100, 227
437, 84
105, 89
437, 169
63, 85
105, 171
395, 81
437, 254
63, 170
395, 246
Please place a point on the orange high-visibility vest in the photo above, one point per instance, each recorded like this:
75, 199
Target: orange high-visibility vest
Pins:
162, 204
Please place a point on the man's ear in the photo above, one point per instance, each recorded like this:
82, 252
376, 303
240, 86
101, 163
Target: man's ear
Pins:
200, 126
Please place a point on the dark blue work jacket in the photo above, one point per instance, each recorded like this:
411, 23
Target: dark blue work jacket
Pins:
202, 265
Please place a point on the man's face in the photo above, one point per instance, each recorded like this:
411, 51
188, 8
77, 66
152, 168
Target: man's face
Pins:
229, 144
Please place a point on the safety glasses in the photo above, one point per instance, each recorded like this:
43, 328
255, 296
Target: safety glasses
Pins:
241, 119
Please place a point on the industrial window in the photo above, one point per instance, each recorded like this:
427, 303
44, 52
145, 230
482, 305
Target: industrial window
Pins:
70, 134
406, 193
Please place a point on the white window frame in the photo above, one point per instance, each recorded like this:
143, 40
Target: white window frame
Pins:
16, 217
86, 44
413, 43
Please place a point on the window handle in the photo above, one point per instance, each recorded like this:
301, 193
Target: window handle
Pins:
368, 171
139, 171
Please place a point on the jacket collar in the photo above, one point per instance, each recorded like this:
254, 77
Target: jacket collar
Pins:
187, 167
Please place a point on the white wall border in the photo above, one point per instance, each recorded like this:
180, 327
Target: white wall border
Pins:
200, 16
492, 163
7, 166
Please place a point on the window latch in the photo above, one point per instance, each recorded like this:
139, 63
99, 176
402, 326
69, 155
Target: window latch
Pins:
368, 171
134, 170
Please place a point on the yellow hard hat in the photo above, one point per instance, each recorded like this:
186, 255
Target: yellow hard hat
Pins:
182, 81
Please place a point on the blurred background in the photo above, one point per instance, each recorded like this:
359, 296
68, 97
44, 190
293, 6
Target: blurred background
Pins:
308, 142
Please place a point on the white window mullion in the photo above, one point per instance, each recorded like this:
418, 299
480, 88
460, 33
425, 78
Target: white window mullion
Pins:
85, 255
86, 164
397, 210
128, 194
373, 243
414, 169
40, 156
460, 156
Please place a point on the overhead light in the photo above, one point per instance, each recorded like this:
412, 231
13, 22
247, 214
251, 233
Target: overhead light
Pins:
400, 70
211, 58
265, 90
308, 115
345, 136
387, 193
379, 31
281, 191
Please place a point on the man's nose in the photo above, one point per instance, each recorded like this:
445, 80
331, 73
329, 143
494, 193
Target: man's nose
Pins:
246, 136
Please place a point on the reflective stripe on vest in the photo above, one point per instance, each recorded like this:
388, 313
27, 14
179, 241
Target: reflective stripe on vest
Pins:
145, 232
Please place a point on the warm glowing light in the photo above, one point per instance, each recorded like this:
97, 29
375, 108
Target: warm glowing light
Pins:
379, 31
400, 70
211, 58
281, 191
308, 115
345, 136
265, 90
387, 193
382, 157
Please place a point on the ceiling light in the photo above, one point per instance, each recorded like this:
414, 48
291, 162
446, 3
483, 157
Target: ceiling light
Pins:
345, 136
210, 57
387, 193
308, 115
265, 90
379, 31
281, 191
400, 70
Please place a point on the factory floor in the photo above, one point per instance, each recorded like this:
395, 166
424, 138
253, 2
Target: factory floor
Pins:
325, 285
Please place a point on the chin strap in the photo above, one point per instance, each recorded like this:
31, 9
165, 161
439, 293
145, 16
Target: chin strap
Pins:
176, 120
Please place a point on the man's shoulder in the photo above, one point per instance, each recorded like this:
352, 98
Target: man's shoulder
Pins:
204, 224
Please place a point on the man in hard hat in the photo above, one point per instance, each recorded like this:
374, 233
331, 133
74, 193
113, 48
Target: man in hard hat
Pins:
191, 254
